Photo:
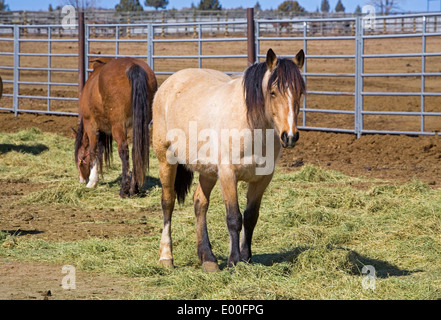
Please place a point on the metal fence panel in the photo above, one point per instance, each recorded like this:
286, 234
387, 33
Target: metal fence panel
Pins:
148, 37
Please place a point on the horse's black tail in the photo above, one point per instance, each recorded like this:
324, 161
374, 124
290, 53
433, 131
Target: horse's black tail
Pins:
184, 178
141, 111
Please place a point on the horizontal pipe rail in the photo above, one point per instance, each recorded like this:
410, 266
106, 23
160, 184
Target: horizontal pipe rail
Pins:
303, 29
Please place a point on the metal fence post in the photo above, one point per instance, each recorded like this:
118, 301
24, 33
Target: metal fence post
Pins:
251, 36
199, 46
49, 65
358, 115
305, 64
423, 71
86, 50
81, 58
150, 46
16, 70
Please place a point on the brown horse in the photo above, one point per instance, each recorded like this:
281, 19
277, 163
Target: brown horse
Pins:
118, 95
226, 124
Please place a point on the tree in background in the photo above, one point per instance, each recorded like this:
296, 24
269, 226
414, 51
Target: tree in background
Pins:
3, 6
129, 5
157, 4
385, 7
290, 6
209, 5
358, 10
325, 6
339, 7
81, 4
257, 7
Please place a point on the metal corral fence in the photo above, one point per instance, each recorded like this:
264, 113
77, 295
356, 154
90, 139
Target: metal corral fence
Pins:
368, 64
32, 67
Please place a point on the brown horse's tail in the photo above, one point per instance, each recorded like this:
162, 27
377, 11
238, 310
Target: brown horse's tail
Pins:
141, 111
184, 178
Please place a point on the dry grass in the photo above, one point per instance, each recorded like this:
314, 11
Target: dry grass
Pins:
315, 233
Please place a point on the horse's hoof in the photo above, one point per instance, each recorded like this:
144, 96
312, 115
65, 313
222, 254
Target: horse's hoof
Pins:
168, 263
123, 193
92, 185
209, 266
133, 193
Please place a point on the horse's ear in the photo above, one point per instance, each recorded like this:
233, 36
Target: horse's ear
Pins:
271, 59
299, 59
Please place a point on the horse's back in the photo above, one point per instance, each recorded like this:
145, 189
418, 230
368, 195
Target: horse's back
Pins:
192, 80
188, 89
107, 95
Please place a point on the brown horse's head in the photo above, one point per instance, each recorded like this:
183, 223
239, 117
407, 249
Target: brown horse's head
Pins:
273, 92
82, 155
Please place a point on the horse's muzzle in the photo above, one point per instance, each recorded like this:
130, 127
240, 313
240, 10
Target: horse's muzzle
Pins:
289, 141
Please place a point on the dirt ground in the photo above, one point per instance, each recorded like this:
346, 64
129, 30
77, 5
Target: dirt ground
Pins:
42, 281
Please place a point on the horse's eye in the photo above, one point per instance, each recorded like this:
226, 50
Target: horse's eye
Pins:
273, 94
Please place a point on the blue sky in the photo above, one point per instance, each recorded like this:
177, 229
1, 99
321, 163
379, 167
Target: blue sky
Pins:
310, 5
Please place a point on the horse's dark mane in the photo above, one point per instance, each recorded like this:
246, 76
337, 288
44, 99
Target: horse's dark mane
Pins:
79, 139
285, 76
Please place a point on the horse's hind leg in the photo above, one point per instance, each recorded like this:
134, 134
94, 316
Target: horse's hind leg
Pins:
120, 135
134, 188
167, 174
201, 201
251, 214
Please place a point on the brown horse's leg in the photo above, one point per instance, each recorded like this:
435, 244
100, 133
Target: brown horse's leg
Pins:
93, 156
228, 184
120, 135
251, 214
201, 202
167, 174
134, 189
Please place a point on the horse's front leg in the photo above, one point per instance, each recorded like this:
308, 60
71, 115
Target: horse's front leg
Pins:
228, 183
251, 214
94, 175
94, 162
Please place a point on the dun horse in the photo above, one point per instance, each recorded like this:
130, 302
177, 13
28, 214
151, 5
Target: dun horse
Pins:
118, 95
210, 103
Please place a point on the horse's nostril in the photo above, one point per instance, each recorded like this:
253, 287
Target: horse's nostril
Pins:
284, 137
296, 136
